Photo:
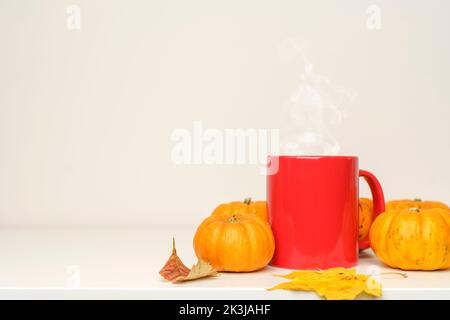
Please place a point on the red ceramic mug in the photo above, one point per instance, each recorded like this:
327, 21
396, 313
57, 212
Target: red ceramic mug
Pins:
313, 210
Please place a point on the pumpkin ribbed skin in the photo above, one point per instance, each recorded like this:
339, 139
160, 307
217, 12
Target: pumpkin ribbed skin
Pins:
258, 208
412, 239
414, 203
365, 217
234, 242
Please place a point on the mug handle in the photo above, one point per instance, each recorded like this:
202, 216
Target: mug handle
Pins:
378, 202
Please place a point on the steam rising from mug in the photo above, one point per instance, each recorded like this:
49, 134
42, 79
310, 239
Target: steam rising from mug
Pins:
314, 105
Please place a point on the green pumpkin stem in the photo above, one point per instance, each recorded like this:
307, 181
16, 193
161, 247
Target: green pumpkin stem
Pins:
415, 209
247, 200
417, 200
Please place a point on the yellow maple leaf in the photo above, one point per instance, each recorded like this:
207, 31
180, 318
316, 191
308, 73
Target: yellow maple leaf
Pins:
372, 287
333, 284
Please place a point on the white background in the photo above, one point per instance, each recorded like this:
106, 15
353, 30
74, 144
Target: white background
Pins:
86, 116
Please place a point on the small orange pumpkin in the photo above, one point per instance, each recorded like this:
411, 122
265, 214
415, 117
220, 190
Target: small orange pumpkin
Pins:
234, 242
365, 217
258, 208
412, 238
415, 203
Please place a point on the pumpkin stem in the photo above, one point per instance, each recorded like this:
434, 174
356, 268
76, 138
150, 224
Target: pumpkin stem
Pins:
247, 200
415, 209
174, 250
417, 199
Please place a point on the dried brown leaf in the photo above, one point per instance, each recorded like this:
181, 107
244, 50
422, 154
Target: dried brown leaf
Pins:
174, 267
200, 270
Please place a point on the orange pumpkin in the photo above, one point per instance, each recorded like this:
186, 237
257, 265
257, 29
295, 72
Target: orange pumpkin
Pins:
365, 217
234, 242
412, 238
258, 208
415, 203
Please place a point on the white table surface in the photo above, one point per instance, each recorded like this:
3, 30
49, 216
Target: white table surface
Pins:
123, 263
